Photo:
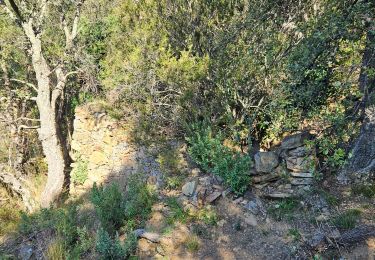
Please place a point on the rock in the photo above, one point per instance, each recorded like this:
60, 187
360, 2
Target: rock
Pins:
278, 195
265, 178
322, 217
218, 180
189, 188
302, 174
300, 164
205, 181
294, 141
302, 151
226, 192
250, 220
153, 237
301, 181
252, 206
25, 252
266, 161
238, 200
221, 223
195, 172
213, 196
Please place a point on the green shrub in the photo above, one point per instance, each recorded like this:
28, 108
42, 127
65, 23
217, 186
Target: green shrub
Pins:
212, 156
109, 203
284, 209
177, 213
112, 248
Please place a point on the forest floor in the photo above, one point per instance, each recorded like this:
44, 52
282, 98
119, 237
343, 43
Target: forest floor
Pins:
281, 229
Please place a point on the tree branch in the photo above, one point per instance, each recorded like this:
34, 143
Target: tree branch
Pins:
26, 83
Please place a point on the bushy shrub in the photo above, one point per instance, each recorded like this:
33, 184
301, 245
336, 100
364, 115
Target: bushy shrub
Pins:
209, 152
109, 203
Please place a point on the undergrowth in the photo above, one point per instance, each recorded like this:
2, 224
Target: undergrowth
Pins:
208, 151
74, 234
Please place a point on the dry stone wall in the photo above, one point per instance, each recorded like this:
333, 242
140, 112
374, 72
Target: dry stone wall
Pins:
103, 152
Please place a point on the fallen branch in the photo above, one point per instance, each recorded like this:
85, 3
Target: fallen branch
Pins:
356, 235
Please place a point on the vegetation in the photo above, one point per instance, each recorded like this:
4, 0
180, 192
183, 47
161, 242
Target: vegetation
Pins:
347, 219
285, 209
229, 77
210, 153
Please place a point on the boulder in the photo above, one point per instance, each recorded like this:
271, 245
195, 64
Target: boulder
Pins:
265, 162
294, 141
189, 188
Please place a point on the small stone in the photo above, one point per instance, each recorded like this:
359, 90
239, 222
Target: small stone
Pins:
301, 181
294, 141
322, 217
195, 172
218, 180
226, 192
217, 187
279, 195
189, 188
213, 196
221, 223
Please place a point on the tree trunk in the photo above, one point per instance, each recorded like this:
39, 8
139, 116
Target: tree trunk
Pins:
49, 131
17, 186
362, 164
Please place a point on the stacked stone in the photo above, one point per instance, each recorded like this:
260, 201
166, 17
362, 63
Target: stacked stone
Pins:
104, 144
293, 161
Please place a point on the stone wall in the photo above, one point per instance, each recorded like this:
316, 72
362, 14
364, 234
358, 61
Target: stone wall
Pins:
287, 169
103, 145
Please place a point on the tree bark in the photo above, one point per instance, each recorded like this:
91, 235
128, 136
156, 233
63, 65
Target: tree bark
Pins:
361, 166
48, 132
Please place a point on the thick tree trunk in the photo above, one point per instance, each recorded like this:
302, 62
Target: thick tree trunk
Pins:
49, 131
362, 164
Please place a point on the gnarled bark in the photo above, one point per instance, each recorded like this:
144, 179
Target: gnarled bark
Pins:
362, 163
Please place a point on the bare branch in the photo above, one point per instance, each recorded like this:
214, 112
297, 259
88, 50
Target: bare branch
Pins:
26, 127
26, 83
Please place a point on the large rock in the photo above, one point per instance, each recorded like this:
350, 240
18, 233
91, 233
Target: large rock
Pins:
294, 141
265, 162
189, 188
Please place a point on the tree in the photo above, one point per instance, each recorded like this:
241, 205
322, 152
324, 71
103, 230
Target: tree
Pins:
52, 76
362, 164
